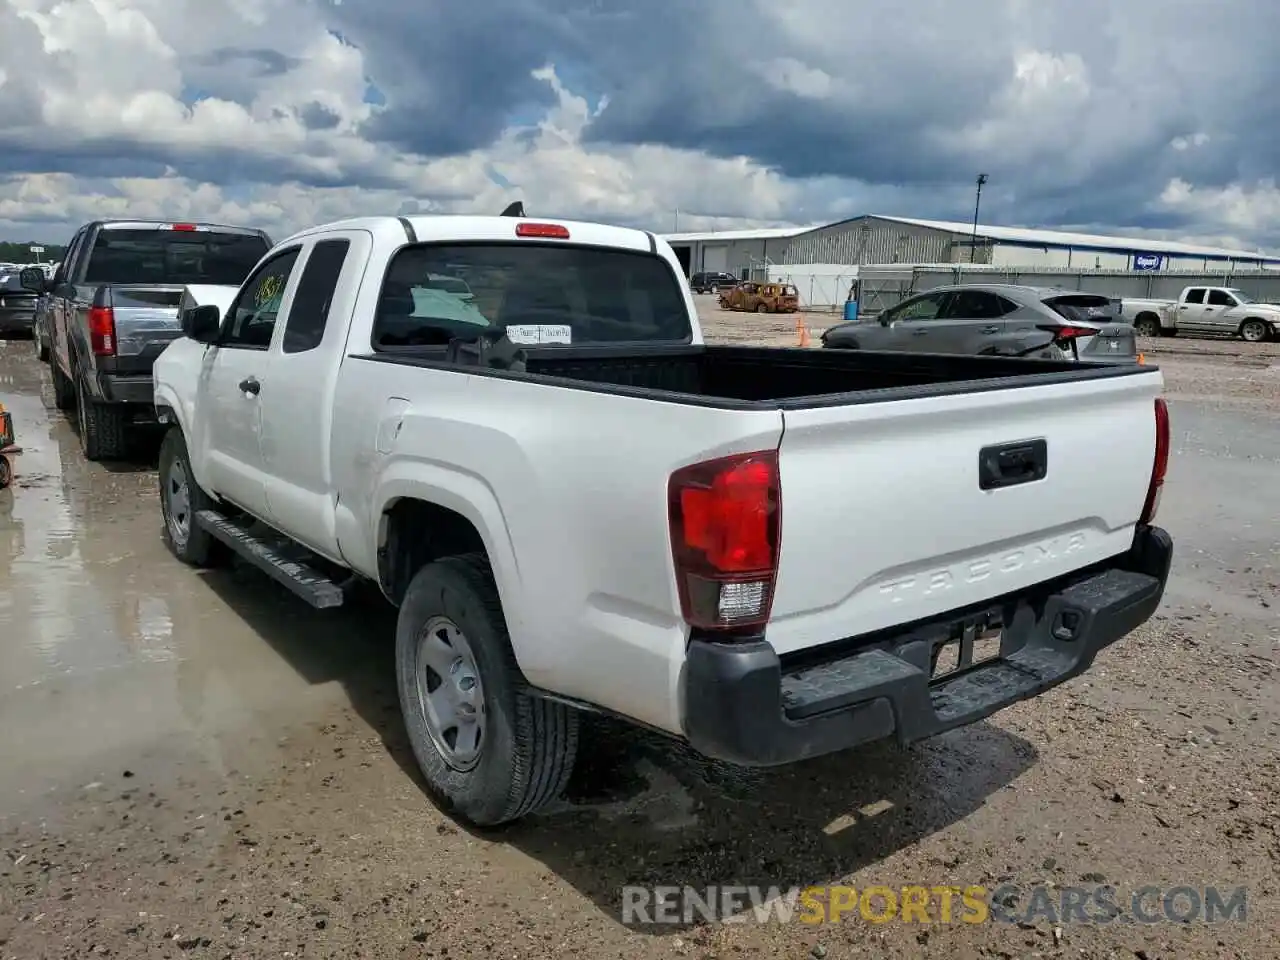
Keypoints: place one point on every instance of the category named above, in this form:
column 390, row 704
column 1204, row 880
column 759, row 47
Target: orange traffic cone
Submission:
column 802, row 331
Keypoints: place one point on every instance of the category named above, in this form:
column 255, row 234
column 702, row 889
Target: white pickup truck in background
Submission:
column 513, row 428
column 1225, row 311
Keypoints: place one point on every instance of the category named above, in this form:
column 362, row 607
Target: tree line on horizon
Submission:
column 11, row 251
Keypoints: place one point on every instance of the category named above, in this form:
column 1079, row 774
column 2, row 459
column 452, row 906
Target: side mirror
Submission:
column 33, row 279
column 202, row 324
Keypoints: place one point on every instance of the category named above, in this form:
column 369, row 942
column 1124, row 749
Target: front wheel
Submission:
column 490, row 751
column 762, row 308
column 180, row 500
column 64, row 391
column 1253, row 331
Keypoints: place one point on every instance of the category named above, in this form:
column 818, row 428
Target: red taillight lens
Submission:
column 552, row 230
column 1071, row 333
column 1160, row 465
column 102, row 331
column 183, row 227
column 725, row 528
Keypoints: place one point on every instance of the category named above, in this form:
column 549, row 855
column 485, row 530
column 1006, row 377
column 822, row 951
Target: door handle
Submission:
column 250, row 385
column 990, row 329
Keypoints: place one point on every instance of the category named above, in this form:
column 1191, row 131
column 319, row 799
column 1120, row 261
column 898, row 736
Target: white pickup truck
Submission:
column 770, row 554
column 1222, row 310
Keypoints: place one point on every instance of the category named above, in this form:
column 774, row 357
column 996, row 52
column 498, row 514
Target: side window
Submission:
column 68, row 258
column 252, row 317
column 1220, row 298
column 309, row 312
column 1195, row 296
column 922, row 308
column 975, row 305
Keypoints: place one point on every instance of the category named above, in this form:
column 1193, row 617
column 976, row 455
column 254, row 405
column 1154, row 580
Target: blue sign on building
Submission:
column 1147, row 261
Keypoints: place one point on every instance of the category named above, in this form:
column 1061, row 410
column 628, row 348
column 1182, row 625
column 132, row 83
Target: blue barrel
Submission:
column 851, row 310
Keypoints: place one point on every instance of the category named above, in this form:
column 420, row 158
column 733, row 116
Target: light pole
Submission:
column 977, row 203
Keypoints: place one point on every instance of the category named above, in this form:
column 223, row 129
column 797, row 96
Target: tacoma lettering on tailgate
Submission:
column 931, row 582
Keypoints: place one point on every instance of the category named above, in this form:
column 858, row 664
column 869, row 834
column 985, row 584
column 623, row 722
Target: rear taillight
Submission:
column 725, row 525
column 1160, row 465
column 1070, row 332
column 102, row 331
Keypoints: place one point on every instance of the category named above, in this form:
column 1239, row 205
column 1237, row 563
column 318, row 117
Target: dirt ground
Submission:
column 199, row 766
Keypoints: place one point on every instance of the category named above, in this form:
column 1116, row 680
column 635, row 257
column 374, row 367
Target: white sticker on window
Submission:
column 528, row 333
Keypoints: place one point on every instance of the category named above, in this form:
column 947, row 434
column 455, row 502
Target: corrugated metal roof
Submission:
column 1057, row 238
column 713, row 236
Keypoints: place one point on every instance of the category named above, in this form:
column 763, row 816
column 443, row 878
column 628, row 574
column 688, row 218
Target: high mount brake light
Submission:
column 725, row 517
column 1159, row 464
column 183, row 227
column 553, row 231
column 102, row 331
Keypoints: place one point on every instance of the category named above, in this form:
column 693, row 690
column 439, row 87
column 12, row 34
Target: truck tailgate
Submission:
column 885, row 520
column 145, row 316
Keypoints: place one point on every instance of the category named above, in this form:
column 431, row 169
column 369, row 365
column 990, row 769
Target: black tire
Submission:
column 6, row 472
column 762, row 308
column 528, row 744
column 197, row 547
column 104, row 433
column 64, row 391
column 1254, row 331
column 1147, row 326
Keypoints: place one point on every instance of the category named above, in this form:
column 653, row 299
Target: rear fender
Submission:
column 472, row 498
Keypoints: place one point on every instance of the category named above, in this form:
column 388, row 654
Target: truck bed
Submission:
column 753, row 377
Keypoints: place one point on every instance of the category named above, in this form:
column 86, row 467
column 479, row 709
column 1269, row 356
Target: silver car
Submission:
column 998, row 319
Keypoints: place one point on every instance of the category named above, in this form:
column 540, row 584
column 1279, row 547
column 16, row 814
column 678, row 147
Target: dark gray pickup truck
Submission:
column 113, row 307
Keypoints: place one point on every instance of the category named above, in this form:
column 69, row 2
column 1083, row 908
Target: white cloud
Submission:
column 547, row 164
column 228, row 111
column 1246, row 209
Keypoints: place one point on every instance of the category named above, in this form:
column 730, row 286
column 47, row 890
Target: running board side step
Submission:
column 309, row 584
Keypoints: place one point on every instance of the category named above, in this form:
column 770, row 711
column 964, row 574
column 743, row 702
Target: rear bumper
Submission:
column 125, row 389
column 17, row 321
column 744, row 706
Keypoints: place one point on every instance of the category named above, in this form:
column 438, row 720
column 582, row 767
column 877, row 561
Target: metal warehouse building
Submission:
column 875, row 239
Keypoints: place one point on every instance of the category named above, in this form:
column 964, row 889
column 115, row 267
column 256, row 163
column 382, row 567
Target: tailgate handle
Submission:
column 1010, row 464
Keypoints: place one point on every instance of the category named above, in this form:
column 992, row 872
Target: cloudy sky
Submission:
column 1100, row 115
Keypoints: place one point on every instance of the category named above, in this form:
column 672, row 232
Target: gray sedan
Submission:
column 996, row 319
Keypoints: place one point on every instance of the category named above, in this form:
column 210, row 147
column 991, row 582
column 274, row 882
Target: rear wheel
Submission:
column 491, row 752
column 1147, row 326
column 103, row 428
column 762, row 308
column 1254, row 331
column 6, row 472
